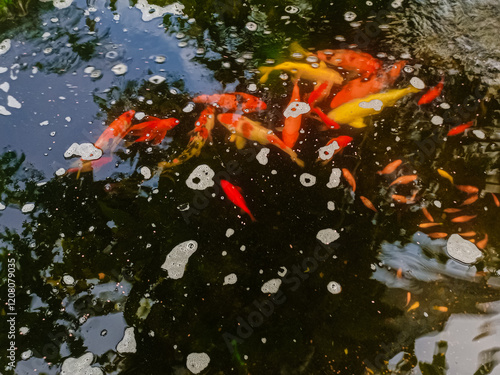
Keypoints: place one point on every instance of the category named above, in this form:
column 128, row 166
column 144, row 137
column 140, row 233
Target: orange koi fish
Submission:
column 243, row 128
column 391, row 167
column 408, row 298
column 460, row 128
column 495, row 199
column 292, row 125
column 468, row 234
column 437, row 235
column 428, row 225
column 470, row 200
column 153, row 130
column 349, row 178
column 467, row 189
column 427, row 214
column 233, row 101
column 362, row 62
column 316, row 96
column 234, row 195
column 482, row 244
column 452, row 210
column 433, row 93
column 404, row 179
column 115, row 131
column 368, row 203
column 89, row 165
column 414, row 306
column 342, row 142
column 463, row 219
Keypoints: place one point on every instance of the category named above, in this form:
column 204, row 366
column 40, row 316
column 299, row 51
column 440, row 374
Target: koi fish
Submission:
column 432, row 93
column 495, row 199
column 115, row 131
column 427, row 214
column 292, row 125
column 437, row 235
column 353, row 112
column 243, row 128
column 445, row 174
column 233, row 101
column 452, row 210
column 470, row 200
column 362, row 62
column 202, row 132
column 391, row 167
column 316, row 96
column 460, row 128
column 234, row 195
column 482, row 244
column 463, row 219
column 368, row 203
column 154, row 130
column 404, row 179
column 349, row 178
column 467, row 189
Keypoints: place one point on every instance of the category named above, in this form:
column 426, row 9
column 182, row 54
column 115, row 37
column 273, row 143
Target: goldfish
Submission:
column 84, row 166
column 153, row 130
column 349, row 178
column 115, row 131
column 368, row 203
column 342, row 142
column 463, row 219
column 243, row 128
column 404, row 179
column 391, row 167
column 291, row 129
column 408, row 298
column 202, row 131
column 452, row 210
column 428, row 225
column 445, row 174
column 402, row 199
column 437, row 235
column 353, row 112
column 427, row 214
column 414, row 306
column 482, row 244
column 234, row 195
column 468, row 234
column 460, row 128
column 233, row 101
column 467, row 189
column 470, row 200
column 440, row 308
column 495, row 199
column 361, row 62
column 432, row 93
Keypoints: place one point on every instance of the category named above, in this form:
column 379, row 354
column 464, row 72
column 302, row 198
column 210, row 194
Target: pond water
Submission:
column 201, row 252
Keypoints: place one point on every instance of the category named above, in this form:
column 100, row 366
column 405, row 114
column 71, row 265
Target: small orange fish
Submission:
column 404, row 179
column 495, row 199
column 233, row 102
column 349, row 178
column 427, row 214
column 154, row 130
column 391, row 167
column 441, row 308
column 437, row 235
column 460, row 128
column 428, row 225
column 452, row 210
column 368, row 203
column 432, row 93
column 116, row 131
column 234, row 195
column 468, row 234
column 482, row 244
column 470, row 200
column 399, row 273
column 414, row 306
column 402, row 199
column 467, row 189
column 408, row 298
column 463, row 219
column 292, row 125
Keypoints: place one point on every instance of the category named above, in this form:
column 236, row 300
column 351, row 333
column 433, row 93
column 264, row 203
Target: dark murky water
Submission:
column 272, row 296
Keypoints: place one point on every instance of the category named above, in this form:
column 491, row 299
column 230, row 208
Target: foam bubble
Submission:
column 334, row 178
column 295, row 109
column 326, row 152
column 201, row 178
column 462, row 250
column 417, row 83
column 128, row 343
column 230, row 279
column 334, row 287
column 307, row 179
column 197, row 362
column 375, row 104
column 271, row 286
column 262, row 156
column 178, row 258
column 4, row 46
column 327, row 235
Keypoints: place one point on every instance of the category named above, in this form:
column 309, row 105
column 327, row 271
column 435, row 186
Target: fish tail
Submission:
column 265, row 70
column 251, row 216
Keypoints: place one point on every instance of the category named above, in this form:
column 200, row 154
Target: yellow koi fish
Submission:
column 302, row 70
column 353, row 112
column 243, row 129
column 445, row 174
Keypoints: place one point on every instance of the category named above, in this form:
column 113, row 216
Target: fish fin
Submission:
column 358, row 123
column 279, row 128
column 240, row 142
column 295, row 47
column 153, row 118
column 265, row 70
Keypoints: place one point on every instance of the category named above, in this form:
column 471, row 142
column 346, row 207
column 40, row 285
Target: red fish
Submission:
column 432, row 93
column 349, row 178
column 316, row 96
column 404, row 179
column 154, row 130
column 470, row 200
column 233, row 101
column 116, row 131
column 427, row 214
column 467, row 189
column 391, row 167
column 234, row 195
column 460, row 128
column 495, row 199
column 292, row 125
column 362, row 62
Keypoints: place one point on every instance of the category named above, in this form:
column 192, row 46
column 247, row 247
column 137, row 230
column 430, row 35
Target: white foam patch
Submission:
column 296, row 109
column 197, row 362
column 334, row 287
column 5, row 86
column 151, row 11
column 229, row 232
column 80, row 366
column 479, row 133
column 188, row 108
column 119, row 69
column 201, row 178
column 146, row 173
column 4, row 111
column 307, row 179
column 177, row 259
column 61, row 4
column 28, row 207
column 331, row 205
column 271, row 286
column 68, row 280
column 334, row 180
column 3, row 69
column 12, row 102
column 327, row 235
column 87, row 151
column 437, row 120
column 230, row 279
column 375, row 104
column 262, row 156
column 2, row 207
column 128, row 343
column 4, row 46
column 157, row 79
column 326, row 152
column 462, row 250
column 417, row 83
